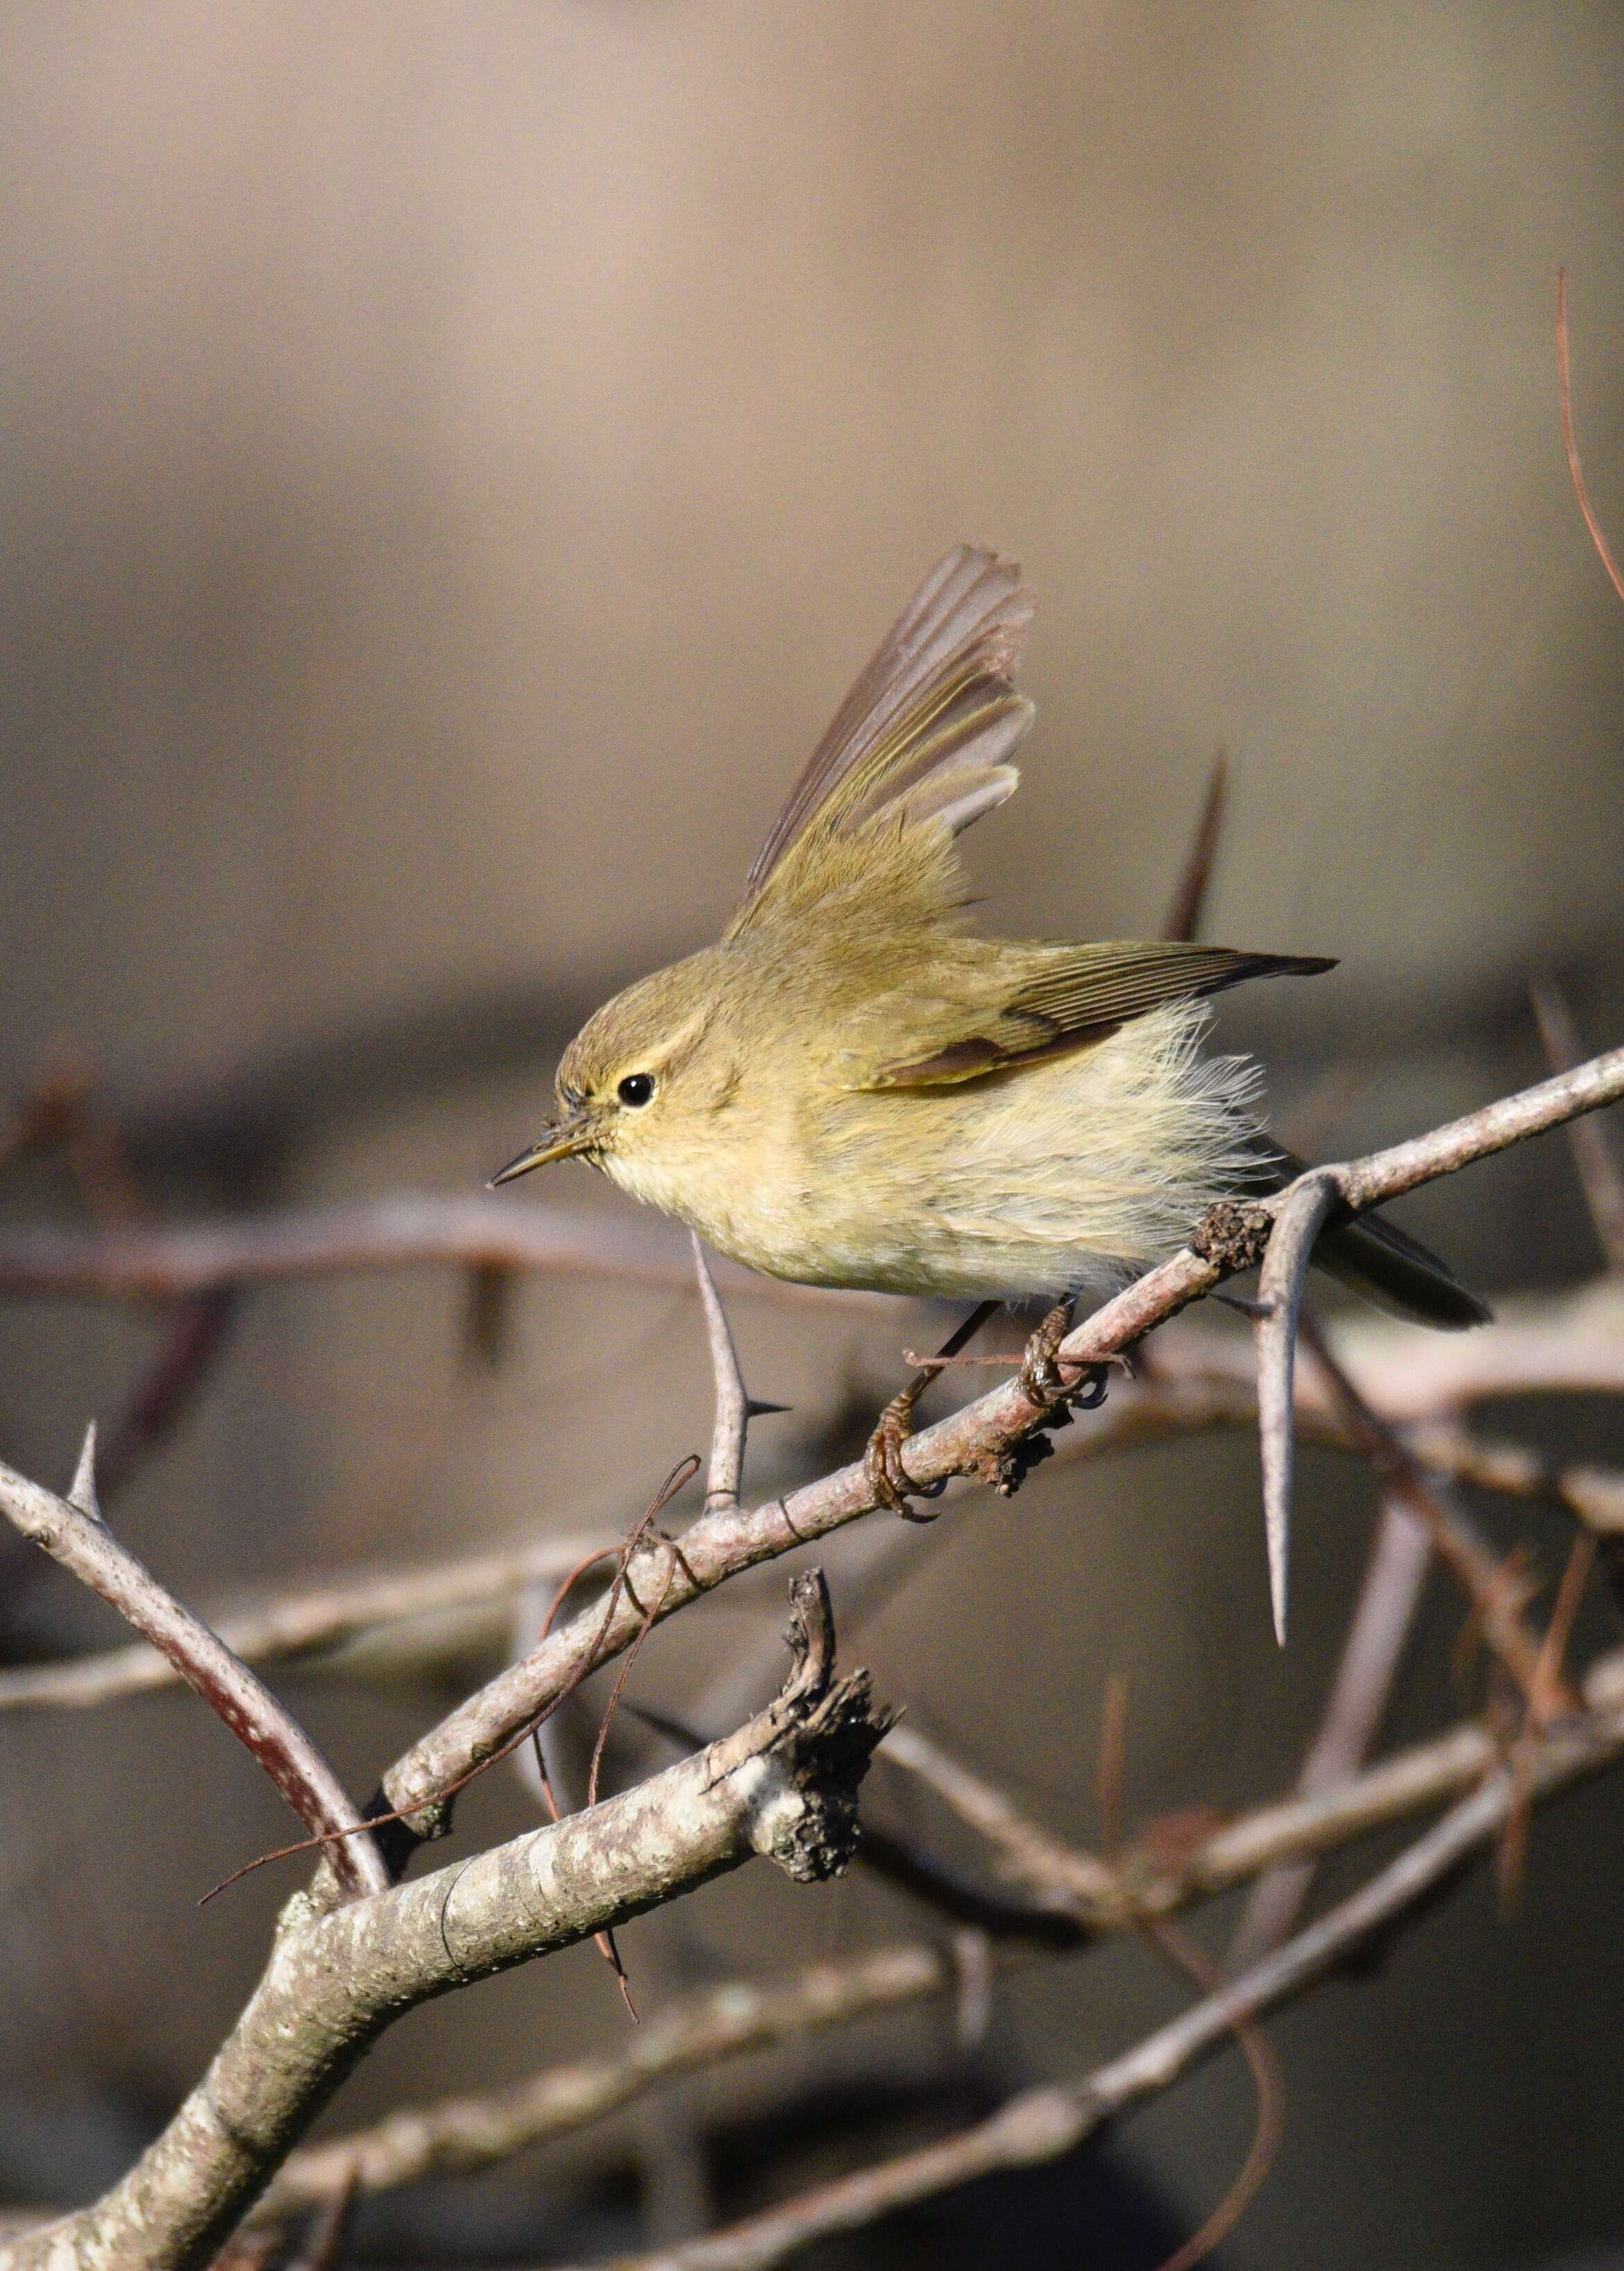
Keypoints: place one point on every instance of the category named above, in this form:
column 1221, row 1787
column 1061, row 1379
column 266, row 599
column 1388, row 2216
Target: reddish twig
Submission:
column 1177, row 1950
column 197, row 1338
column 1570, row 442
column 82, row 1543
column 1388, row 1599
column 1551, row 1697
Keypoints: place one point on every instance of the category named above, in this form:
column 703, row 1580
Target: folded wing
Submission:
column 1029, row 1003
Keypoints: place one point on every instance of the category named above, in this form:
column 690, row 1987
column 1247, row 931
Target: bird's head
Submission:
column 641, row 1080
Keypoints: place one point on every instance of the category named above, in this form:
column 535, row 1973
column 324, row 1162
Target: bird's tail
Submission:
column 1381, row 1262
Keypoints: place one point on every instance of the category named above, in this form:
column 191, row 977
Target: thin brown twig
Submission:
column 198, row 1338
column 1550, row 1697
column 332, row 1842
column 1178, row 1950
column 1268, row 2080
column 324, row 2247
column 1496, row 1602
column 1046, row 2123
column 1389, row 1597
column 1570, row 440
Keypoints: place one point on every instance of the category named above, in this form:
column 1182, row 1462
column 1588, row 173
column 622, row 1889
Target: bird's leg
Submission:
column 1041, row 1379
column 888, row 1478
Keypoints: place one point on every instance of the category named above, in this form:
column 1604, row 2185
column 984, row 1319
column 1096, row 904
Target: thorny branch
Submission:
column 75, row 1536
column 783, row 1785
column 1044, row 2124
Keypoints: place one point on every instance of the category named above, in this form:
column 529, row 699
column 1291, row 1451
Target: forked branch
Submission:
column 74, row 1535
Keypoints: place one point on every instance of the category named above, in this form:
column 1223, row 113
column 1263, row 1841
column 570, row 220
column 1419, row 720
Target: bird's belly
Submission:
column 941, row 1228
column 1064, row 1177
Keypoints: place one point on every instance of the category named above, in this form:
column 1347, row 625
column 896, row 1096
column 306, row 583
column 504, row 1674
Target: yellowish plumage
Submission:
column 850, row 1090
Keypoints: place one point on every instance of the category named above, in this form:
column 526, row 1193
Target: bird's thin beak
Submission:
column 564, row 1141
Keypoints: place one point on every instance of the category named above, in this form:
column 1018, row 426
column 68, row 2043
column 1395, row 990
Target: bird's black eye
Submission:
column 636, row 1087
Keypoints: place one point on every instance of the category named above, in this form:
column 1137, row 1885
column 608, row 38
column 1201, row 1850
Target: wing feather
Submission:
column 927, row 730
column 1074, row 997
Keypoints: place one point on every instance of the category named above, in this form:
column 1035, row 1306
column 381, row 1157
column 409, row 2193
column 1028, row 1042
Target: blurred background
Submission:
column 454, row 461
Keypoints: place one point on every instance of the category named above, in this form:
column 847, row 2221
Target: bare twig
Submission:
column 83, row 1544
column 197, row 1338
column 461, row 2135
column 1496, row 1602
column 314, row 1625
column 1027, row 1854
column 411, row 1230
column 324, row 2247
column 1570, row 440
column 1044, row 2124
column 732, row 1408
column 1291, row 1243
column 784, row 1785
column 1388, row 1600
column 1599, row 1175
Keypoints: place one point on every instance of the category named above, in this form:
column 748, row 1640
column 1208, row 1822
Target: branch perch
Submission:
column 74, row 1535
column 785, row 1784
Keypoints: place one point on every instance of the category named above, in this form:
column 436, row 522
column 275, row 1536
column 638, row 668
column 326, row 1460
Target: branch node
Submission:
column 804, row 1805
column 1232, row 1235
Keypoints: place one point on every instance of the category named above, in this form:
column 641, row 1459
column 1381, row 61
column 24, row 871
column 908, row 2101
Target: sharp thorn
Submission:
column 82, row 1489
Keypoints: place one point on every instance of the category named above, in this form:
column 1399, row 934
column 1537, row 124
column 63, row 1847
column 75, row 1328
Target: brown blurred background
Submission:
column 454, row 459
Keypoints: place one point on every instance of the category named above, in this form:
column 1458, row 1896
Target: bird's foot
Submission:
column 1042, row 1380
column 888, row 1478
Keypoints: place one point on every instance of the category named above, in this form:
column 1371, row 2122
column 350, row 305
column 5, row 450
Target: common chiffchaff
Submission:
column 850, row 1090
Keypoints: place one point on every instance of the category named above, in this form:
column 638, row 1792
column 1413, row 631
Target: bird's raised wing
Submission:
column 925, row 734
column 1039, row 1001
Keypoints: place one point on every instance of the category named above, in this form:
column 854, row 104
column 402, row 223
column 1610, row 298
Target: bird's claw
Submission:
column 887, row 1476
column 1042, row 1380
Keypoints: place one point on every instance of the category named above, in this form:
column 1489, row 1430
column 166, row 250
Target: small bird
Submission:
column 852, row 1090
